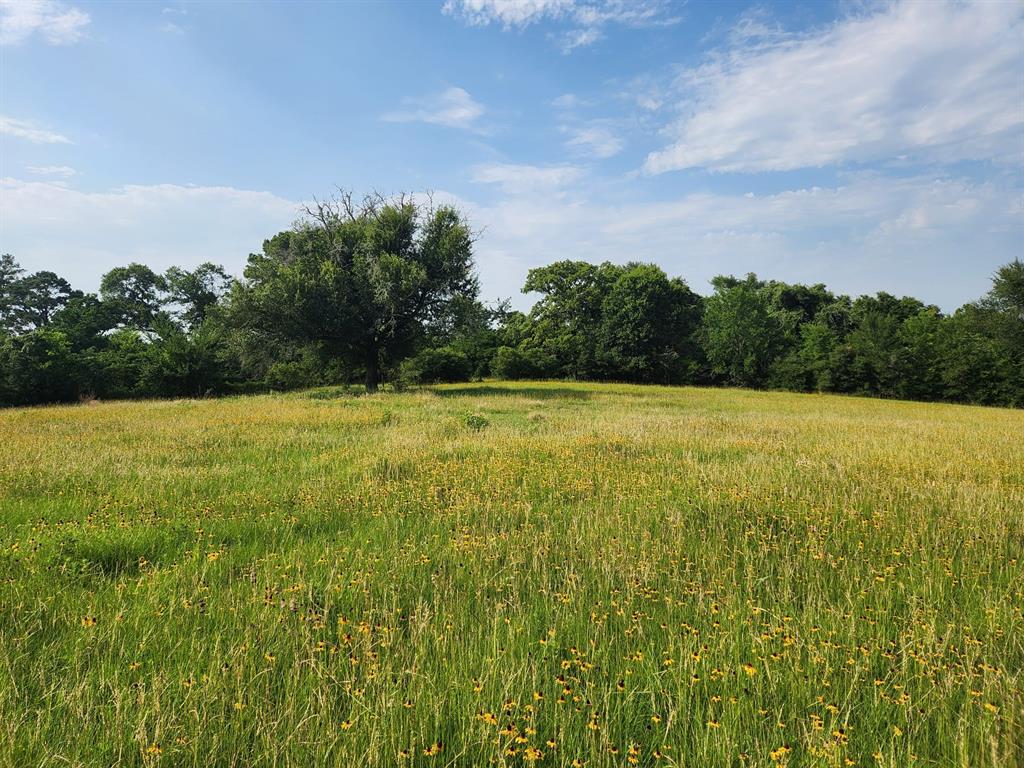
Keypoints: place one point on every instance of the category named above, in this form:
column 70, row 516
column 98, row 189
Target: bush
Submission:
column 435, row 366
column 476, row 422
column 290, row 375
column 305, row 370
column 514, row 363
column 38, row 367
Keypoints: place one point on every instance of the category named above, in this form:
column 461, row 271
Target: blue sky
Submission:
column 869, row 146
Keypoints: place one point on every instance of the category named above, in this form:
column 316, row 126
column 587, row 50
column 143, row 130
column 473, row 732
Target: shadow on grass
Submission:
column 340, row 392
column 116, row 554
column 538, row 393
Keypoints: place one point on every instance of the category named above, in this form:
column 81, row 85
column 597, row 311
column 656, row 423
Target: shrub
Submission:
column 515, row 363
column 290, row 375
column 434, row 366
column 476, row 422
column 38, row 367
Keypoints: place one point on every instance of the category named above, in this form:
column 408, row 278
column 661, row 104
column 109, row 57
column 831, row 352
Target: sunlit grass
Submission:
column 507, row 574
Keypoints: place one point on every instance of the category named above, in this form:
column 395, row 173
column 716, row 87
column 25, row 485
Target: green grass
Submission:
column 672, row 576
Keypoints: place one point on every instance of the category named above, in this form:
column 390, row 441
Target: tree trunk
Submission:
column 372, row 371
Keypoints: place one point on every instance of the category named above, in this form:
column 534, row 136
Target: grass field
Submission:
column 506, row 574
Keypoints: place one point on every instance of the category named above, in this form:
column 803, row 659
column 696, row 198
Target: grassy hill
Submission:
column 507, row 574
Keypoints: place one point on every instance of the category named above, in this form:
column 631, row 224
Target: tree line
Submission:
column 383, row 290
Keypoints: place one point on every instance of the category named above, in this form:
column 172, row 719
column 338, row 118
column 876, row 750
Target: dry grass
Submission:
column 508, row 574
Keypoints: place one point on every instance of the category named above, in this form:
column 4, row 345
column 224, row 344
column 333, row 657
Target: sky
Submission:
column 870, row 146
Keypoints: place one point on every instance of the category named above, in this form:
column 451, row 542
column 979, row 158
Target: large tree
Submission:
column 10, row 275
column 744, row 331
column 361, row 279
column 566, row 320
column 135, row 293
column 28, row 302
column 1007, row 293
column 877, row 342
column 38, row 297
column 196, row 291
column 982, row 345
column 648, row 327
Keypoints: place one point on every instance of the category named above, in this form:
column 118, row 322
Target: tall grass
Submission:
column 511, row 574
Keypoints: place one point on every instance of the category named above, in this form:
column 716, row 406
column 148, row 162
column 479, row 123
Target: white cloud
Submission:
column 586, row 18
column 940, row 80
column 54, row 22
column 453, row 107
column 595, row 141
column 509, row 13
column 937, row 239
column 580, row 38
column 28, row 130
column 81, row 235
column 519, row 179
column 648, row 101
column 568, row 101
column 57, row 171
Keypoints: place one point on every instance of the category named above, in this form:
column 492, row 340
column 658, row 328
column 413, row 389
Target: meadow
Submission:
column 508, row 574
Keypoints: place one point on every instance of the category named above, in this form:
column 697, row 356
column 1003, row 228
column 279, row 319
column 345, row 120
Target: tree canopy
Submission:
column 362, row 280
column 384, row 290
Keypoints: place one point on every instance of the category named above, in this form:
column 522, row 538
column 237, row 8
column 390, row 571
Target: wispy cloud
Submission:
column 940, row 80
column 867, row 234
column 55, row 171
column 55, row 22
column 585, row 19
column 509, row 13
column 518, row 179
column 569, row 101
column 588, row 137
column 159, row 225
column 595, row 141
column 453, row 107
column 30, row 131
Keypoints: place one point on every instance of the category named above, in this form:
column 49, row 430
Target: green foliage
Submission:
column 1007, row 294
column 283, row 376
column 565, row 322
column 744, row 331
column 122, row 361
column 973, row 362
column 434, row 366
column 36, row 367
column 385, row 289
column 37, row 299
column 197, row 291
column 304, row 370
column 182, row 365
column 917, row 363
column 361, row 279
column 477, row 422
column 514, row 363
column 29, row 302
column 10, row 275
column 134, row 293
column 470, row 328
column 648, row 326
column 629, row 323
column 84, row 320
